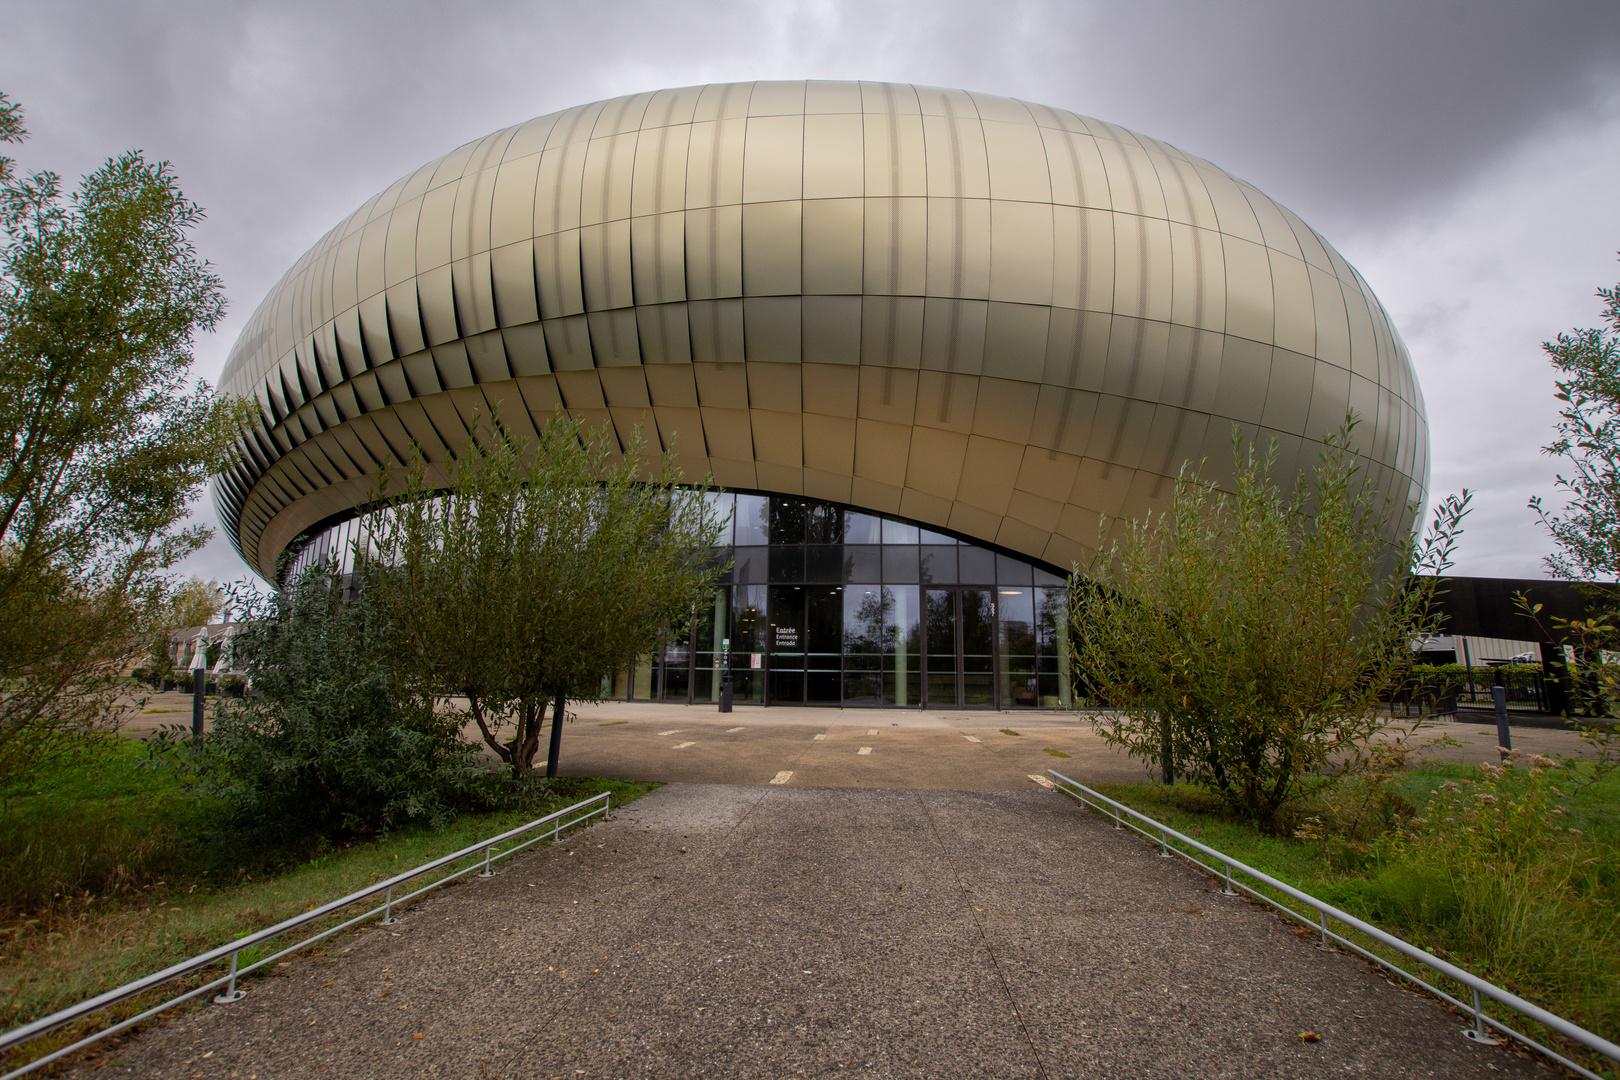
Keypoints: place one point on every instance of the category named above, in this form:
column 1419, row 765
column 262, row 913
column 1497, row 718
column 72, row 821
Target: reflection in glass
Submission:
column 863, row 563
column 1010, row 571
column 1019, row 688
column 902, row 667
column 784, row 648
column 1052, row 648
column 722, row 506
column 824, row 563
column 824, row 620
column 938, row 565
column 900, row 564
column 931, row 537
column 709, row 627
column 675, row 670
column 977, row 566
column 862, row 528
column 752, row 519
column 748, row 627
column 978, row 645
column 895, row 532
column 750, row 566
column 788, row 520
column 940, row 619
column 787, row 564
column 824, row 524
column 865, row 609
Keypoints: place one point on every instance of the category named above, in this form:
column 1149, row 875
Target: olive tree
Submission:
column 1247, row 638
column 537, row 573
column 1587, row 529
column 104, row 439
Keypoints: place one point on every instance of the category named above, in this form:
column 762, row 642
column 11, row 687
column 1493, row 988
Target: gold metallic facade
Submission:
column 981, row 314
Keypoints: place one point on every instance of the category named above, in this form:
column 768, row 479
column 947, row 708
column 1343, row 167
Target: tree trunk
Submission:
column 505, row 753
column 556, row 735
column 531, row 716
column 1167, row 750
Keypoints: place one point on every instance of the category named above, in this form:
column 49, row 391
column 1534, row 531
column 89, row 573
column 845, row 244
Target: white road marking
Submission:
column 863, row 751
column 782, row 777
column 729, row 730
column 1043, row 781
column 684, row 745
column 871, row 731
column 970, row 738
column 818, row 738
column 671, row 731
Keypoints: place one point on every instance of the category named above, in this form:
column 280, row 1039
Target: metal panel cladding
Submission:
column 994, row 317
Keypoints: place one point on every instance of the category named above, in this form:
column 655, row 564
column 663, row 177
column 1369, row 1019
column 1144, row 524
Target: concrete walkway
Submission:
column 775, row 931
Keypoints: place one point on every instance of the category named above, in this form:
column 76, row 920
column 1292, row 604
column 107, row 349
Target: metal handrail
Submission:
column 596, row 804
column 1479, row 1032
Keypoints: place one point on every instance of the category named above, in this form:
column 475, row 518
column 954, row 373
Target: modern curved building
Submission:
column 929, row 338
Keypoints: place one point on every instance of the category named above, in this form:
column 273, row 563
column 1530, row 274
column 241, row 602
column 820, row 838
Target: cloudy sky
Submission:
column 1464, row 156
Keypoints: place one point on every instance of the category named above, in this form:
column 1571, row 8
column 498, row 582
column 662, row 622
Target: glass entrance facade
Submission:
column 826, row 605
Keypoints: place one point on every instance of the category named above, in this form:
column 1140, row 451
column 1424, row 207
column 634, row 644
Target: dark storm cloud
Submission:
column 1369, row 118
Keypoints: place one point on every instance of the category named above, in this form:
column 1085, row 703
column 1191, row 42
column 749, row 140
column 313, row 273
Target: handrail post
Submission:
column 231, row 994
column 487, row 871
column 1479, row 1032
column 1325, row 947
column 1228, row 891
column 388, row 908
column 1164, row 846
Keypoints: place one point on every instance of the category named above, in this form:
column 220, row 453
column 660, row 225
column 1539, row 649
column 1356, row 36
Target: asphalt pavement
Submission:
column 771, row 930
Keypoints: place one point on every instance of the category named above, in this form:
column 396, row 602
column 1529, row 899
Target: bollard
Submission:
column 1504, row 737
column 198, row 685
column 725, row 694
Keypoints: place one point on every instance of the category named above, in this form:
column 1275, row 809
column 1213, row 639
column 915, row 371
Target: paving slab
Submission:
column 777, row 931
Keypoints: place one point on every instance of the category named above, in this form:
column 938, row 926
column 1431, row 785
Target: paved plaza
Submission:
column 921, row 910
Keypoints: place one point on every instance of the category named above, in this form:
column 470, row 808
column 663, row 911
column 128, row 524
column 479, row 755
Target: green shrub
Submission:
column 331, row 747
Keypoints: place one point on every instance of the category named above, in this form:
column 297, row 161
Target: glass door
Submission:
column 941, row 657
column 824, row 639
column 784, row 648
column 978, row 647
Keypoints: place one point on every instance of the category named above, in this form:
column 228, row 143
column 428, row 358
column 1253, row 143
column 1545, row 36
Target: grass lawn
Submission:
column 1523, row 889
column 109, row 872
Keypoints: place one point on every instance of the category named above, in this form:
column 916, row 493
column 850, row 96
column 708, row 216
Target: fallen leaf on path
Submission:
column 1309, row 1036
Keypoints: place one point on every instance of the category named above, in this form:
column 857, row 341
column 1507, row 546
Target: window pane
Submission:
column 750, row 566
column 863, row 643
column 1011, row 571
column 931, row 537
column 1016, row 610
column 748, row 626
column 978, row 566
column 722, row 506
column 941, row 640
column 978, row 639
column 785, row 647
column 939, row 565
column 787, row 564
column 824, row 524
column 824, row 563
column 900, row 564
column 753, row 513
column 902, row 653
column 896, row 533
column 862, row 529
column 863, row 562
column 788, row 517
column 824, row 623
